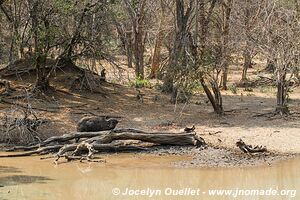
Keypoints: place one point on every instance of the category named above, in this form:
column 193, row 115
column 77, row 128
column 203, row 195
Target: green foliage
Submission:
column 65, row 7
column 233, row 88
column 140, row 83
column 209, row 57
column 196, row 87
column 184, row 96
column 265, row 89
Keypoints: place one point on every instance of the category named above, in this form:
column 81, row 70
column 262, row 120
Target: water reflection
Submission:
column 22, row 179
column 4, row 169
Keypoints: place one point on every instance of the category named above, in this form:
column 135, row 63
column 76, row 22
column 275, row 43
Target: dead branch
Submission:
column 39, row 151
column 249, row 149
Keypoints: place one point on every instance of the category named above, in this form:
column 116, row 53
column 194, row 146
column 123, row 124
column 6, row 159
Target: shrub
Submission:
column 233, row 89
column 140, row 83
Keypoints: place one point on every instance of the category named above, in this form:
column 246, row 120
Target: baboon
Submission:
column 94, row 124
column 2, row 83
column 174, row 95
column 156, row 98
column 103, row 75
column 189, row 130
column 140, row 96
column 8, row 89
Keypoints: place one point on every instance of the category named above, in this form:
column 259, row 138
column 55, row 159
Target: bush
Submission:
column 233, row 89
column 140, row 83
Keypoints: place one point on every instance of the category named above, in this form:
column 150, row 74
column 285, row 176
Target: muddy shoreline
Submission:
column 219, row 157
column 208, row 157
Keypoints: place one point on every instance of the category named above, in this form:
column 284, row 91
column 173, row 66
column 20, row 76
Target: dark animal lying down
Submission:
column 94, row 124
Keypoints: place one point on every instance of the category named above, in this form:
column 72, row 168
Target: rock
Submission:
column 94, row 124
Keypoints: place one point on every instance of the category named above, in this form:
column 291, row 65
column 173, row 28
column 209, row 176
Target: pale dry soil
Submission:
column 279, row 134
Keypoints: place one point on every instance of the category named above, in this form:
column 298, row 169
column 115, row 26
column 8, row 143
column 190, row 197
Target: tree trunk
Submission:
column 179, row 42
column 139, row 49
column 216, row 99
column 42, row 80
column 11, row 51
column 247, row 54
column 156, row 55
column 225, row 75
column 282, row 89
column 225, row 53
column 129, row 48
column 247, row 63
column 125, row 36
column 158, row 43
column 297, row 75
column 137, row 19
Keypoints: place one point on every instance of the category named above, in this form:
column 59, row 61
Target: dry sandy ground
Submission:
column 279, row 134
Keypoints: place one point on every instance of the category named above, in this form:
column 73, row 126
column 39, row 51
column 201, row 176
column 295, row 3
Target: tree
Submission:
column 207, row 61
column 136, row 12
column 177, row 59
column 247, row 17
column 278, row 41
column 155, row 63
column 226, row 10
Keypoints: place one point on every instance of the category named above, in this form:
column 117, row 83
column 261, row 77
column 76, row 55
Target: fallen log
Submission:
column 105, row 141
column 179, row 139
column 71, row 136
column 81, row 135
column 100, row 143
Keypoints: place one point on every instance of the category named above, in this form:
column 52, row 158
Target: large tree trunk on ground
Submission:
column 103, row 141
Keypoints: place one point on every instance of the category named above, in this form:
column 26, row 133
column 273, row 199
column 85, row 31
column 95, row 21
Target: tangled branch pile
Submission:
column 20, row 124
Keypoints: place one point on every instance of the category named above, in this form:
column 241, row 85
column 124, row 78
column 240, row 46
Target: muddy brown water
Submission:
column 34, row 179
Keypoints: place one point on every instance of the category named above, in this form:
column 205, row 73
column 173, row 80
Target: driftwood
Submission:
column 70, row 147
column 249, row 149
